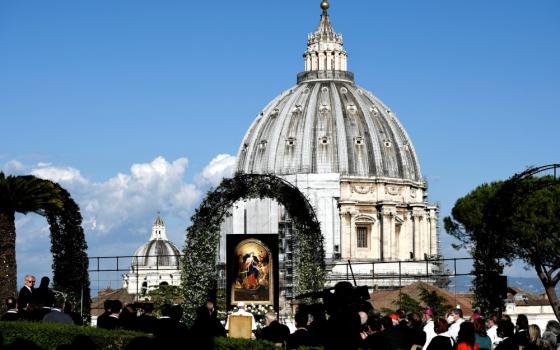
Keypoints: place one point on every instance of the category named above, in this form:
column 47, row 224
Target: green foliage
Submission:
column 199, row 262
column 22, row 194
column 530, row 219
column 49, row 335
column 27, row 194
column 165, row 294
column 504, row 221
column 469, row 224
column 68, row 247
column 435, row 302
column 406, row 303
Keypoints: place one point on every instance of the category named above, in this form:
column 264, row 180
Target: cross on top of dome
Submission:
column 159, row 221
column 158, row 229
column 324, row 47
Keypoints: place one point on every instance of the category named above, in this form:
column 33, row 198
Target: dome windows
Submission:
column 290, row 141
column 348, row 133
column 324, row 110
column 343, row 90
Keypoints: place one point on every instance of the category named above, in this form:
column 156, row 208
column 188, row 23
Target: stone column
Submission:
column 387, row 232
column 336, row 60
column 433, row 232
column 344, row 62
column 346, row 232
column 416, row 215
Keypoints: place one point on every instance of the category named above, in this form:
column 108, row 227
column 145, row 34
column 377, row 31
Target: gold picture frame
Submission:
column 253, row 282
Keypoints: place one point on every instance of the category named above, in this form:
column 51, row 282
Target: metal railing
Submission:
column 107, row 271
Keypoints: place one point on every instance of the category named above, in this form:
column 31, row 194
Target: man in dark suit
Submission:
column 505, row 331
column 112, row 322
column 26, row 292
column 394, row 335
column 56, row 315
column 274, row 331
column 522, row 333
column 12, row 313
column 301, row 337
column 147, row 322
column 103, row 319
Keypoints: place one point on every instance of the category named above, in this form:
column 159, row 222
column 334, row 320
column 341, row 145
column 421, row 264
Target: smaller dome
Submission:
column 157, row 253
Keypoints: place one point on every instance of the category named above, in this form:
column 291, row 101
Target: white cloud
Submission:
column 58, row 174
column 118, row 211
column 218, row 168
column 13, row 167
column 121, row 204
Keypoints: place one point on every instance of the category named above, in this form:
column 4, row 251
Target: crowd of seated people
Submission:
column 344, row 321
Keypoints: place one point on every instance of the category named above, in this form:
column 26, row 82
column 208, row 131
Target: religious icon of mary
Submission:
column 253, row 281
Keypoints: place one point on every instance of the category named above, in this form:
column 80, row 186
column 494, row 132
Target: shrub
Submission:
column 49, row 336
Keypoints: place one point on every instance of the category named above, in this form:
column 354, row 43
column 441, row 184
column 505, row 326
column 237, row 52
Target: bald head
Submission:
column 270, row 317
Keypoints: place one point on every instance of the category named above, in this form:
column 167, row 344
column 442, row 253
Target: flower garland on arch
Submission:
column 199, row 275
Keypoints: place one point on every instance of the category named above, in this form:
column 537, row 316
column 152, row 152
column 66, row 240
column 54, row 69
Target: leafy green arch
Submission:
column 68, row 248
column 30, row 194
column 202, row 238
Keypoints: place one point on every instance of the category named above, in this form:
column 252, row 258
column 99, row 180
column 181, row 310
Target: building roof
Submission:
column 383, row 299
column 328, row 124
column 110, row 294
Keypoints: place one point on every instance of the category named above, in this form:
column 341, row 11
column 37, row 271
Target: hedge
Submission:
column 49, row 336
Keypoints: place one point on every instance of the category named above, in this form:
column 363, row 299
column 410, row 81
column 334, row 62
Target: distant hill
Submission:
column 463, row 284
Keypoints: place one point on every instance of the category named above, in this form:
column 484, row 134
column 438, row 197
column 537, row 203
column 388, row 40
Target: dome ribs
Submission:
column 270, row 164
column 328, row 126
column 247, row 163
column 308, row 141
column 373, row 143
column 326, row 157
column 339, row 131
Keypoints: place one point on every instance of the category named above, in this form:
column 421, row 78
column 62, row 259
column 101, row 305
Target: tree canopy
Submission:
column 68, row 248
column 470, row 225
column 504, row 221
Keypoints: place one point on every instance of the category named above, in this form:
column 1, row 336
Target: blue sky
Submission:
column 139, row 106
